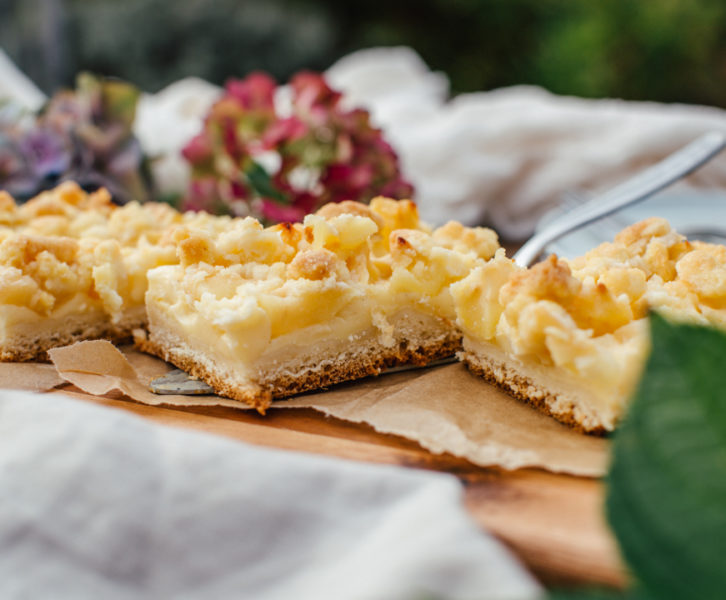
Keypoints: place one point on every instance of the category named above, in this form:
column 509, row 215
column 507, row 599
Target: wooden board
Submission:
column 554, row 523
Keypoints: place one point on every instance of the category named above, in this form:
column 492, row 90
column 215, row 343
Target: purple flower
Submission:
column 85, row 135
column 45, row 153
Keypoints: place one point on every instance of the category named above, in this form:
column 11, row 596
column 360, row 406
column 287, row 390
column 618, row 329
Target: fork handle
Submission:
column 637, row 188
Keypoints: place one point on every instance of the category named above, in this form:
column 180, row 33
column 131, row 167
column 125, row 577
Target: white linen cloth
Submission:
column 16, row 86
column 97, row 503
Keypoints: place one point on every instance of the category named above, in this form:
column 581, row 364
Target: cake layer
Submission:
column 292, row 365
column 74, row 266
column 547, row 389
column 30, row 340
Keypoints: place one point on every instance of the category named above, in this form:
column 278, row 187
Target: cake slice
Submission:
column 571, row 337
column 73, row 267
column 263, row 313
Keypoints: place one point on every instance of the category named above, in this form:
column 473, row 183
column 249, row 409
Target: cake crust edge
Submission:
column 314, row 372
column 536, row 394
column 34, row 345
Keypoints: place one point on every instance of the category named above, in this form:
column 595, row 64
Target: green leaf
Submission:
column 262, row 184
column 667, row 484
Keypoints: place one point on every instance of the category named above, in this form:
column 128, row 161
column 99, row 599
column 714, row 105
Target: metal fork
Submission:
column 641, row 186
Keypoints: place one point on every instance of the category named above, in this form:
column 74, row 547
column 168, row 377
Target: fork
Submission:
column 637, row 188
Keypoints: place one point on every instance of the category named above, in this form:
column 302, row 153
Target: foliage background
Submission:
column 664, row 50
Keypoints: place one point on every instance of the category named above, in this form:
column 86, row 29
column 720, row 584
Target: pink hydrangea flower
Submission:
column 248, row 159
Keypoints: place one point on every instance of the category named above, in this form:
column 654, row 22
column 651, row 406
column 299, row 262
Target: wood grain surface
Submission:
column 554, row 523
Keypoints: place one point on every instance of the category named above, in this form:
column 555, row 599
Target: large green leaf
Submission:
column 262, row 183
column 667, row 484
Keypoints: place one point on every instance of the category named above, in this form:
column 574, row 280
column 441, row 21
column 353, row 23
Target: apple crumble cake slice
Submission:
column 570, row 337
column 264, row 313
column 73, row 266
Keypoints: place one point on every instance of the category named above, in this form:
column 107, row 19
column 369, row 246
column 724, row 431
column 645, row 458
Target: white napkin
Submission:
column 16, row 86
column 97, row 503
column 167, row 121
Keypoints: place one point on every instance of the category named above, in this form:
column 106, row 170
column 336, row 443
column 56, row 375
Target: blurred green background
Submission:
column 664, row 50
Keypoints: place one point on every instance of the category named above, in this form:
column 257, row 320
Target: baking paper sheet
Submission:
column 34, row 377
column 444, row 409
column 97, row 367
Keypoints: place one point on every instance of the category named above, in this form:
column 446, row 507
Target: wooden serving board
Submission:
column 554, row 523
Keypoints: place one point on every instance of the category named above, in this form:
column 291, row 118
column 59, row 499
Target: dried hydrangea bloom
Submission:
column 280, row 153
column 84, row 136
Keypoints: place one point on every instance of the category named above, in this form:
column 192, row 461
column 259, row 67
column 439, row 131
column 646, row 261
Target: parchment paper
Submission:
column 98, row 367
column 34, row 377
column 444, row 409
column 447, row 409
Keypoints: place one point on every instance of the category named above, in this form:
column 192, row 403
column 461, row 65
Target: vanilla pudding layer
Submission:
column 25, row 335
column 557, row 392
column 344, row 348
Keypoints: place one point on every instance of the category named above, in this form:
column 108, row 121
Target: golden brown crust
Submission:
column 195, row 249
column 395, row 214
column 259, row 401
column 348, row 207
column 364, row 366
column 549, row 279
column 25, row 248
column 514, row 383
column 290, row 233
column 7, row 203
column 315, row 375
column 65, row 196
column 639, row 234
column 455, row 236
